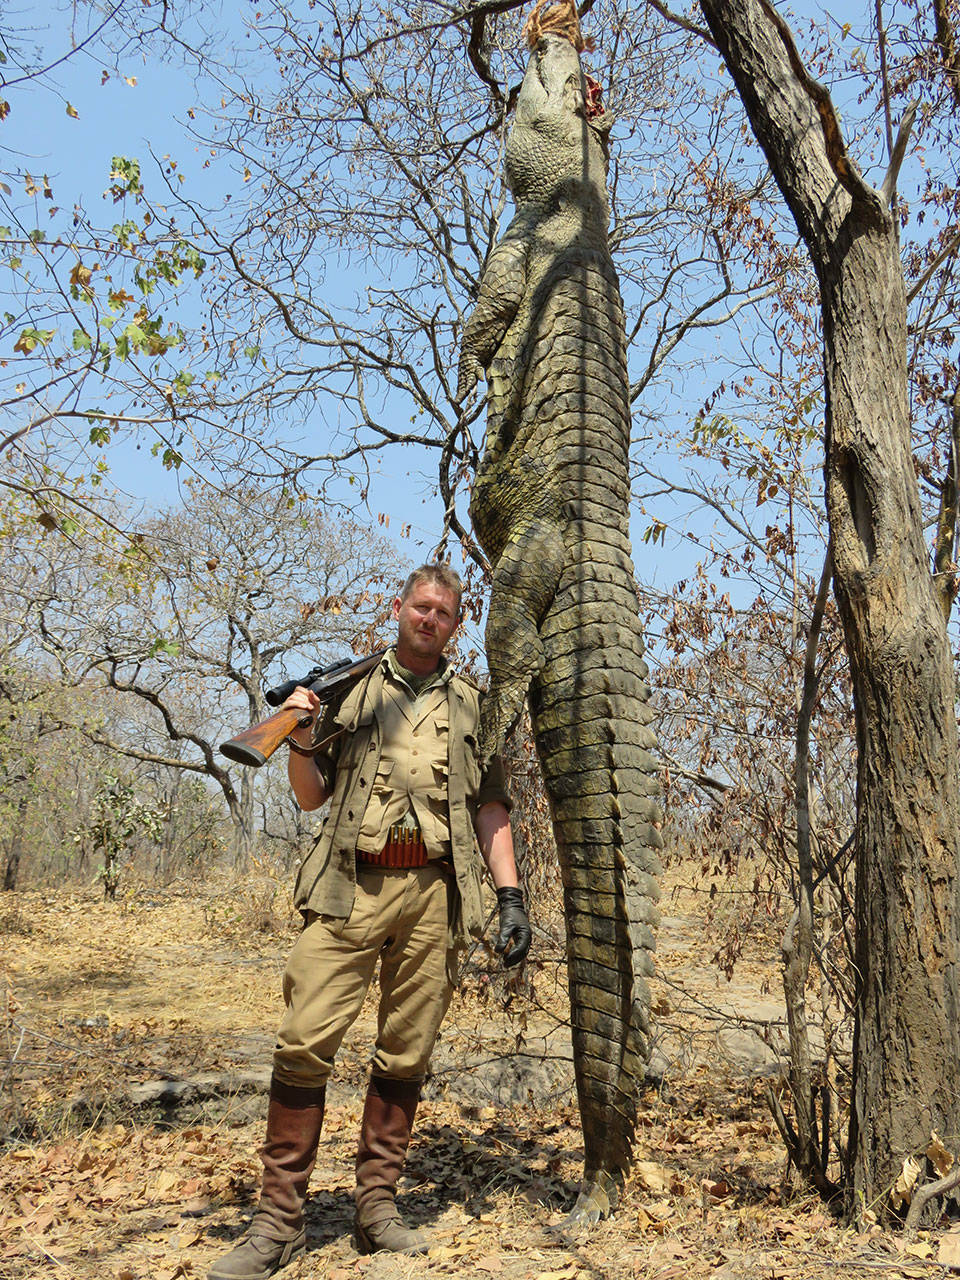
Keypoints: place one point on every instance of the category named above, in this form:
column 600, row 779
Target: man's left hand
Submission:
column 514, row 928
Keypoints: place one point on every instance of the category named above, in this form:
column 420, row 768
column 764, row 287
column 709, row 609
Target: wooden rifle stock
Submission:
column 257, row 744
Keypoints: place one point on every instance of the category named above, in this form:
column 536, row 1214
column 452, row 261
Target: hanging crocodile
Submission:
column 550, row 507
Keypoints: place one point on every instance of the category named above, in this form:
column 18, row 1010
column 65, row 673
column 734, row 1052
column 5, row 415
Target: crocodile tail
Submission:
column 591, row 721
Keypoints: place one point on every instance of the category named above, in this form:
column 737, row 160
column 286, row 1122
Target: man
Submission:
column 393, row 875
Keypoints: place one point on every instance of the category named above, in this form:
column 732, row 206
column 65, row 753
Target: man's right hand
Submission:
column 305, row 778
column 304, row 700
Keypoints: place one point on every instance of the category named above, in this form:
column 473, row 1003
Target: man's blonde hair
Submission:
column 440, row 575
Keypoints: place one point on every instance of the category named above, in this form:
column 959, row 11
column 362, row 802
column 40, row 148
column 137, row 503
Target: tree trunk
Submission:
column 15, row 848
column 906, row 1042
column 906, row 1046
column 244, row 820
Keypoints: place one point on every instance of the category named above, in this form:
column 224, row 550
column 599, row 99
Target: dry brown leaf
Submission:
column 489, row 1262
column 644, row 1221
column 652, row 1177
column 938, row 1155
column 903, row 1189
column 190, row 1237
column 948, row 1252
column 919, row 1249
column 653, row 1217
column 714, row 1192
column 41, row 1220
column 165, row 1181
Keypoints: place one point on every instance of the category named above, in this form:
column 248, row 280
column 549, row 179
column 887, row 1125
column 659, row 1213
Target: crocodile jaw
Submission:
column 552, row 119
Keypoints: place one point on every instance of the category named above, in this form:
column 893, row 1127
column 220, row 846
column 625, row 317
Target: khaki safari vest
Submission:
column 327, row 880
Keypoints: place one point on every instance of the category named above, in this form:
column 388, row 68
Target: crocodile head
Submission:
column 557, row 151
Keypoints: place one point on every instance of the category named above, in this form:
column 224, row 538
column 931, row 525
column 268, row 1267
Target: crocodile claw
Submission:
column 597, row 1200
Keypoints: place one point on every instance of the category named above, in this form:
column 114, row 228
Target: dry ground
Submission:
column 137, row 1038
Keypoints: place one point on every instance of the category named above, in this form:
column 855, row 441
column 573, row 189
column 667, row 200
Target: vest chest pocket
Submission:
column 471, row 765
column 360, row 740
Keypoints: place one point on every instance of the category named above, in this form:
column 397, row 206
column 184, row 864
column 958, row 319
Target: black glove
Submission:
column 514, row 928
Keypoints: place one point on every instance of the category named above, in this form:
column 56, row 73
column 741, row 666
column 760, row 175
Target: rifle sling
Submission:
column 317, row 747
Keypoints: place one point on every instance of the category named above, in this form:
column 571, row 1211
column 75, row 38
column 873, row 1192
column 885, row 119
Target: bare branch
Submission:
column 888, row 189
column 945, row 579
column 947, row 44
column 946, row 252
column 685, row 24
column 922, row 1197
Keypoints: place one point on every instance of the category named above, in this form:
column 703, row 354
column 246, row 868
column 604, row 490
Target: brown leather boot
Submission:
column 384, row 1137
column 276, row 1236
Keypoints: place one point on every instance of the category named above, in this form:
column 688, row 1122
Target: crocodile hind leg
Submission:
column 524, row 584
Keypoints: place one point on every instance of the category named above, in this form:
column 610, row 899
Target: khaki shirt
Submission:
column 354, row 766
column 411, row 777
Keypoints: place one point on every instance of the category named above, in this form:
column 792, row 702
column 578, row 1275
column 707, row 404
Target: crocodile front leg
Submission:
column 524, row 583
column 501, row 291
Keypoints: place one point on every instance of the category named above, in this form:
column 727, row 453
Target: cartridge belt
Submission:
column 404, row 848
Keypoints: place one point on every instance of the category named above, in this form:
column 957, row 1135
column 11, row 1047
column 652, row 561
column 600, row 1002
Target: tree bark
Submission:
column 15, row 847
column 906, row 1046
column 797, row 945
column 245, row 819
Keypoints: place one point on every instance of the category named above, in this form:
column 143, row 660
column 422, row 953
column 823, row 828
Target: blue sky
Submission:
column 136, row 109
column 69, row 127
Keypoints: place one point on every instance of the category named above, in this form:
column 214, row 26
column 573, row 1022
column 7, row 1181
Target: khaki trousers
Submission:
column 400, row 916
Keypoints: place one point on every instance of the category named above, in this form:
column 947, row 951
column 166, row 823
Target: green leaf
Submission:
column 125, row 176
column 251, row 352
column 81, row 340
column 30, row 339
column 160, row 645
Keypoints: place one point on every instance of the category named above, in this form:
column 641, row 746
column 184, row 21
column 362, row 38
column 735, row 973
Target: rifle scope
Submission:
column 276, row 697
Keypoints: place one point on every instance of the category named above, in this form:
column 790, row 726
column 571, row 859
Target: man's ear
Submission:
column 396, row 607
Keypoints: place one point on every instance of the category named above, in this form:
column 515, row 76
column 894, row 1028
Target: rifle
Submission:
column 257, row 744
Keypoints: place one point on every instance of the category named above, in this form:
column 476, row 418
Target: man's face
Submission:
column 426, row 620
